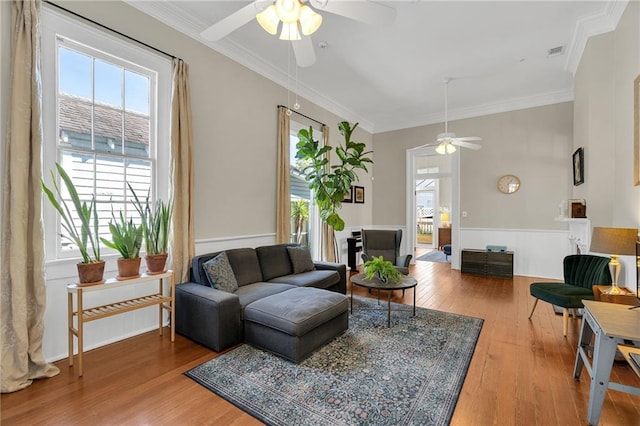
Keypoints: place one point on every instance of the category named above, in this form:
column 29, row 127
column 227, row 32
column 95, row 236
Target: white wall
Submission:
column 603, row 117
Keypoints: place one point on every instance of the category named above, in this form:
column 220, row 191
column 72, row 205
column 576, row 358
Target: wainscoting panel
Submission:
column 537, row 253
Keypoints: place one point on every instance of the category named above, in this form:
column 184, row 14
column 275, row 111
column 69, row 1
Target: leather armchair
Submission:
column 385, row 243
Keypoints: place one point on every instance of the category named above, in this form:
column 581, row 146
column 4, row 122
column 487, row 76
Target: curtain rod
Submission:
column 110, row 29
column 302, row 115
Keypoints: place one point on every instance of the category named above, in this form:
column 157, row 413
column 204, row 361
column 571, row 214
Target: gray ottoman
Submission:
column 296, row 322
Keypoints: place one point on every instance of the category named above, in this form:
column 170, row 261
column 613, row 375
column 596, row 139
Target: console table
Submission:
column 611, row 324
column 84, row 314
column 489, row 263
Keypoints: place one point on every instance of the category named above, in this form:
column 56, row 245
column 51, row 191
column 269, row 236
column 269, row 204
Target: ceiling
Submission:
column 391, row 77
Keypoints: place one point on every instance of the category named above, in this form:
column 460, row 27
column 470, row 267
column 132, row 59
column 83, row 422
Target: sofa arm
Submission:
column 208, row 316
column 341, row 287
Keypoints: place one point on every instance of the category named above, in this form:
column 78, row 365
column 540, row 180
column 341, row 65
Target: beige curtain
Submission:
column 23, row 288
column 328, row 236
column 283, row 179
column 183, row 245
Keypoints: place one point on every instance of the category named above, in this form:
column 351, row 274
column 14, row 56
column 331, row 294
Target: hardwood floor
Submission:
column 520, row 374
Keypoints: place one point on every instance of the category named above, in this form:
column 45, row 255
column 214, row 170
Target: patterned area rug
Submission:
column 435, row 256
column 410, row 373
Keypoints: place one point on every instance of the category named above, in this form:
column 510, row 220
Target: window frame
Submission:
column 101, row 44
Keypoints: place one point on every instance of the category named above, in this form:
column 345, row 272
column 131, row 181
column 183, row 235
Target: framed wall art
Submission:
column 358, row 194
column 578, row 167
column 348, row 197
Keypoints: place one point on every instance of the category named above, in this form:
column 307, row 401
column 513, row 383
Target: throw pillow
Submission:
column 300, row 259
column 220, row 274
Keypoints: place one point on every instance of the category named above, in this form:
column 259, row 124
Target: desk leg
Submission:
column 604, row 353
column 586, row 334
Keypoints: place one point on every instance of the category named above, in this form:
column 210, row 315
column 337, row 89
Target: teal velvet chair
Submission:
column 581, row 273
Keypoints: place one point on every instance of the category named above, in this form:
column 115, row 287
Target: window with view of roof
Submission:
column 102, row 124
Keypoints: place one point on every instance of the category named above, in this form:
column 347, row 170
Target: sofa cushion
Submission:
column 300, row 257
column 274, row 261
column 251, row 292
column 245, row 265
column 220, row 274
column 318, row 279
column 297, row 311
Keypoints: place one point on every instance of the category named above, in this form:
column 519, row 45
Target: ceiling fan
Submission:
column 298, row 16
column 448, row 141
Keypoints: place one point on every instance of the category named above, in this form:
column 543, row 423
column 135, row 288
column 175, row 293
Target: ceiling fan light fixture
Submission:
column 450, row 148
column 441, row 149
column 310, row 21
column 288, row 10
column 268, row 20
column 289, row 32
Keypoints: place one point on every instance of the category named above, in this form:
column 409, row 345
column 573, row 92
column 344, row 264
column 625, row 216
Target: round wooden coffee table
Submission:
column 375, row 284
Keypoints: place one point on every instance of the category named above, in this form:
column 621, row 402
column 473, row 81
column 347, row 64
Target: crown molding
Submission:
column 599, row 23
column 407, row 120
column 175, row 18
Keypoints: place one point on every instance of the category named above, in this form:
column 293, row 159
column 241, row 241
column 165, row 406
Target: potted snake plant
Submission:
column 83, row 231
column 156, row 224
column 126, row 238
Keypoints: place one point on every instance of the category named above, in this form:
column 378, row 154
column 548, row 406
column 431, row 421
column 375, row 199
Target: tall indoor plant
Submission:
column 84, row 233
column 331, row 184
column 156, row 223
column 126, row 238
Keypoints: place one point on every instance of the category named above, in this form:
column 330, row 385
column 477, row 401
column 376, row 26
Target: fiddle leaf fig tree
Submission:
column 330, row 183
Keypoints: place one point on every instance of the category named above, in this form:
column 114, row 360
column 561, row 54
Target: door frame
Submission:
column 411, row 156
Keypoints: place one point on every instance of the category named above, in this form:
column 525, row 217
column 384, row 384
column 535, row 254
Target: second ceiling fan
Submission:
column 448, row 141
column 298, row 16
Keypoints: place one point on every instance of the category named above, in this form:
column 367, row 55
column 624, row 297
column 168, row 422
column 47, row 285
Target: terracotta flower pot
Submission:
column 91, row 273
column 155, row 263
column 128, row 268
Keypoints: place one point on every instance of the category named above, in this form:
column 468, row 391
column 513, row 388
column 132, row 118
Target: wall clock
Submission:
column 508, row 184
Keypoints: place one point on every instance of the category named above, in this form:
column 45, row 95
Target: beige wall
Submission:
column 234, row 126
column 534, row 144
column 604, row 123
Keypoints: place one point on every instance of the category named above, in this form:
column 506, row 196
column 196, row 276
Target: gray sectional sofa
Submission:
column 273, row 308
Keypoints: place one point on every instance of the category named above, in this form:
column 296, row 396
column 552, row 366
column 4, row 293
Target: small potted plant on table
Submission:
column 126, row 238
column 82, row 234
column 377, row 267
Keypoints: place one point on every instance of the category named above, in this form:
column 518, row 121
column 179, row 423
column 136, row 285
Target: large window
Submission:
column 101, row 112
column 305, row 223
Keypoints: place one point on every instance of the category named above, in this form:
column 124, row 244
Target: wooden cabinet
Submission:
column 444, row 237
column 489, row 263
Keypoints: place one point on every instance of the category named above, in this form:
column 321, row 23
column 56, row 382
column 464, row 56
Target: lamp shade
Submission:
column 617, row 241
column 309, row 20
column 288, row 10
column 268, row 19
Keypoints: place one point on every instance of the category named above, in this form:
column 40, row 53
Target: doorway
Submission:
column 432, row 201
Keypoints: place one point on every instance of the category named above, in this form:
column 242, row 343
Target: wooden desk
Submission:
column 611, row 324
column 83, row 314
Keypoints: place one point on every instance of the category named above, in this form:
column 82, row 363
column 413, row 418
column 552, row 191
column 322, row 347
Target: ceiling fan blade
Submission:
column 226, row 25
column 466, row 144
column 470, row 138
column 363, row 11
column 304, row 51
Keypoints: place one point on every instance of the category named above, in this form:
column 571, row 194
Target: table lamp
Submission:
column 615, row 242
